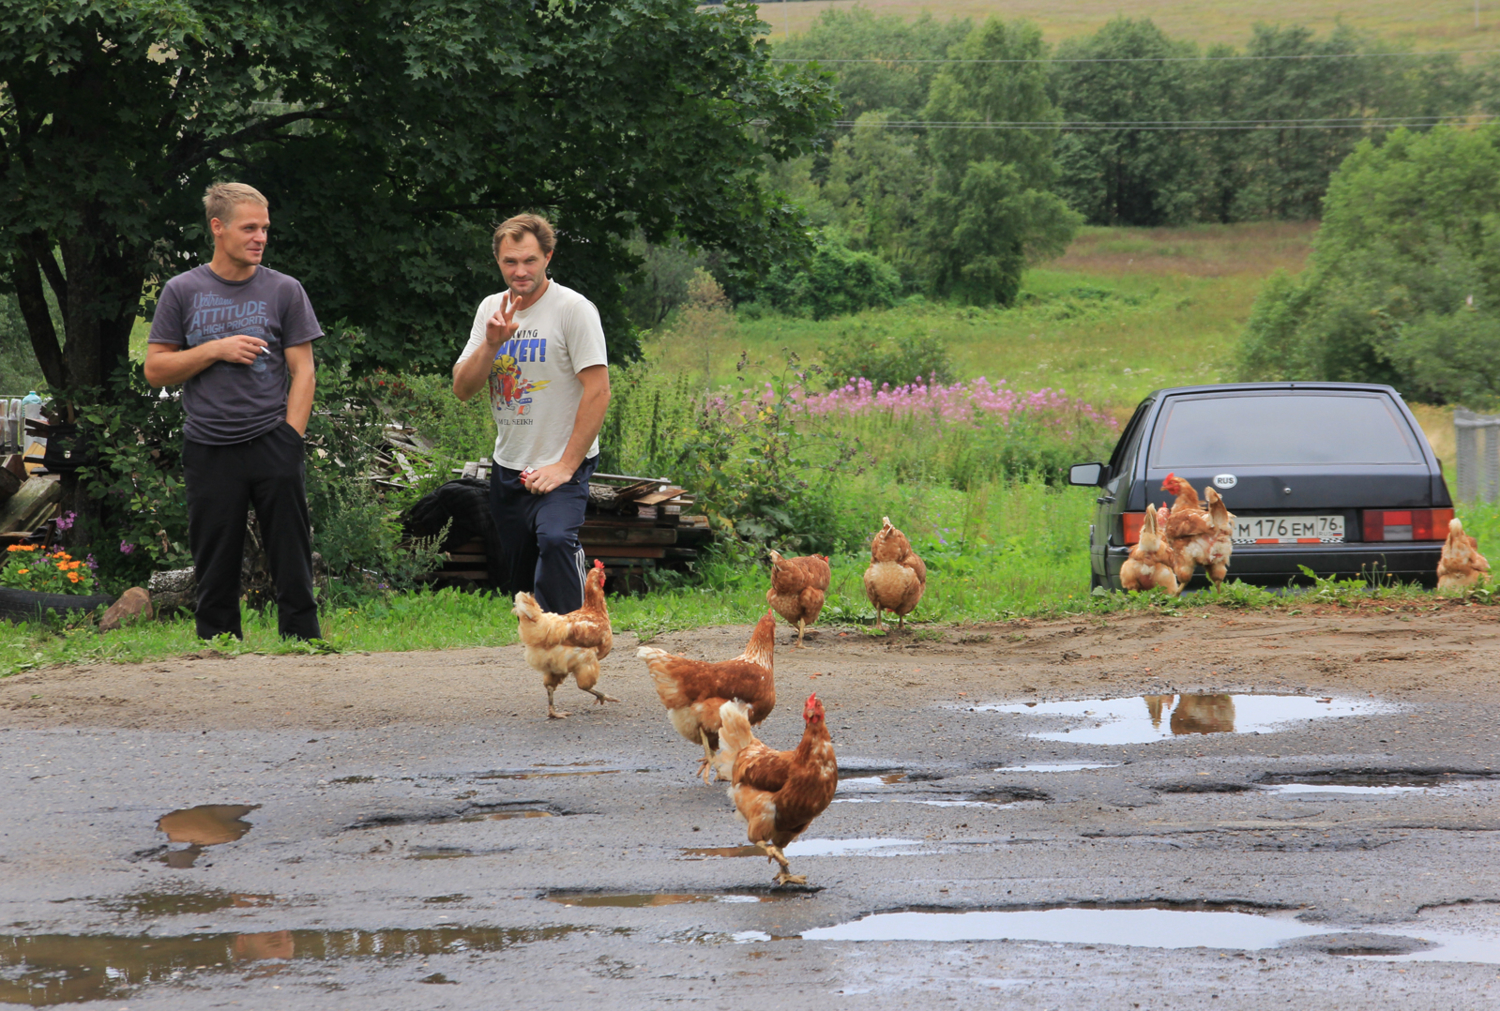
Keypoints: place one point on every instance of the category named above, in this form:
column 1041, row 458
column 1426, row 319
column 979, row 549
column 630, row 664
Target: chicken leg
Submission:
column 773, row 852
column 553, row 713
column 706, row 762
column 801, row 630
column 600, row 696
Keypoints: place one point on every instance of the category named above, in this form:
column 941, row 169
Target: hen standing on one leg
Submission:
column 561, row 644
column 896, row 578
column 798, row 589
column 1461, row 565
column 778, row 793
column 694, row 690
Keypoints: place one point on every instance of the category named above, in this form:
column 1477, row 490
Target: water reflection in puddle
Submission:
column 200, row 827
column 890, row 779
column 1144, row 719
column 152, row 904
column 495, row 816
column 644, row 900
column 1140, row 927
column 1352, row 791
column 46, row 969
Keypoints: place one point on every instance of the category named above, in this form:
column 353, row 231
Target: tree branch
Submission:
column 196, row 149
column 32, row 301
column 40, row 250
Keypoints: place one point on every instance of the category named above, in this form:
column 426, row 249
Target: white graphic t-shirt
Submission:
column 534, row 384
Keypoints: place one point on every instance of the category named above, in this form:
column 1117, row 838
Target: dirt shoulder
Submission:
column 1452, row 651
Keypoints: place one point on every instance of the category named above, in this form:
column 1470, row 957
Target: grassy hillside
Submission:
column 1444, row 24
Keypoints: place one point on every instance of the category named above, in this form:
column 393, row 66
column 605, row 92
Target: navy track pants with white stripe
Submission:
column 543, row 555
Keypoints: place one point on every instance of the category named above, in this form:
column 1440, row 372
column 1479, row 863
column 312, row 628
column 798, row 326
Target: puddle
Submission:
column 994, row 798
column 1323, row 789
column 890, row 779
column 1059, row 767
column 496, row 816
column 200, row 827
column 47, row 969
column 1368, row 778
column 704, row 852
column 1150, row 927
column 150, row 905
column 454, row 897
column 439, row 852
column 800, row 848
column 644, row 900
column 342, row 780
column 1144, row 719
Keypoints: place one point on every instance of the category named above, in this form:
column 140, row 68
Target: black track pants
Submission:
column 222, row 483
column 540, row 533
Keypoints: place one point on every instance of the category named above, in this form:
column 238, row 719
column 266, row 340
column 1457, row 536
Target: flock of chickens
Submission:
column 1176, row 541
column 716, row 704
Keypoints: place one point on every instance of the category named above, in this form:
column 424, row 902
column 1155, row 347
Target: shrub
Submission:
column 31, row 567
column 865, row 350
column 838, row 281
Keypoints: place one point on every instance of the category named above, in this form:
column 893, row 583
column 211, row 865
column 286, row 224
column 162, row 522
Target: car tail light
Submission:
column 1406, row 524
column 1133, row 523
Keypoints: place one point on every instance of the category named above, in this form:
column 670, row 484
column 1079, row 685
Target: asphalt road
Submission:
column 1226, row 852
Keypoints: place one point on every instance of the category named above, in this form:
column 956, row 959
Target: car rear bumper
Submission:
column 1279, row 565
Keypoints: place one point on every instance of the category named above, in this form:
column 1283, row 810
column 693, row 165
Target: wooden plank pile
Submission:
column 632, row 524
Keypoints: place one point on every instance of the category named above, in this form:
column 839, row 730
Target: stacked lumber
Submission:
column 632, row 524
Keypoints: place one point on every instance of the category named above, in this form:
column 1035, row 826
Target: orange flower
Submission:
column 22, row 572
column 74, row 577
column 21, row 547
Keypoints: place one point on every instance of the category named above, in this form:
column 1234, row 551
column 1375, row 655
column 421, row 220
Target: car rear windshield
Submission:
column 1282, row 429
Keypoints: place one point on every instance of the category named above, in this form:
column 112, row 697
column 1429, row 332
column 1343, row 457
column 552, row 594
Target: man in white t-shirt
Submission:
column 539, row 347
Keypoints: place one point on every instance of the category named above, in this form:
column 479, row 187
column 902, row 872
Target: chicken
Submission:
column 777, row 793
column 1221, row 546
column 1188, row 531
column 561, row 644
column 1461, row 565
column 896, row 578
column 798, row 589
column 694, row 690
column 1151, row 562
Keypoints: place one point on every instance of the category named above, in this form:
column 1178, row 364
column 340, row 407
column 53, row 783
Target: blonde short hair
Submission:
column 219, row 200
column 526, row 224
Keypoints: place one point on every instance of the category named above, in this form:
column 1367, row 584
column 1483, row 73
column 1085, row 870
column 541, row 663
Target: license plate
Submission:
column 1289, row 529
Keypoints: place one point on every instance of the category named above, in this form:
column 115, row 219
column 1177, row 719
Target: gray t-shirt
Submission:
column 228, row 403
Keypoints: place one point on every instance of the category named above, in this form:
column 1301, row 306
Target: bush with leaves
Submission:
column 837, row 281
column 32, row 567
column 886, row 355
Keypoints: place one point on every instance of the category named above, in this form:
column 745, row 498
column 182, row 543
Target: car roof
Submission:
column 1253, row 387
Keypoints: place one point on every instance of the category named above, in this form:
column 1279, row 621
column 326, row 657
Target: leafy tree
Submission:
column 877, row 177
column 1124, row 176
column 898, row 87
column 836, row 282
column 390, row 138
column 992, row 207
column 1404, row 281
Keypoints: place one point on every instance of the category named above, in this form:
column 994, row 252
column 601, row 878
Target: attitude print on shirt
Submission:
column 215, row 317
column 509, row 389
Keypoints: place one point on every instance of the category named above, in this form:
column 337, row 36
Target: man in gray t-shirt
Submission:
column 238, row 336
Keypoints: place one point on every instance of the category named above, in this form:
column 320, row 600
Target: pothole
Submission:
column 201, row 827
column 503, row 811
column 1203, row 787
column 644, row 900
column 153, row 904
column 47, row 969
column 550, row 772
column 1059, row 767
column 1143, row 719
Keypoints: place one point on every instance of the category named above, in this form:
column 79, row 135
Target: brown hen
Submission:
column 1461, row 565
column 694, row 690
column 798, row 588
column 1150, row 561
column 778, row 793
column 561, row 644
column 896, row 578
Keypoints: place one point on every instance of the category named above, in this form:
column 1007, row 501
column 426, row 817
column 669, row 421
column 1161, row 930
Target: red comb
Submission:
column 598, row 563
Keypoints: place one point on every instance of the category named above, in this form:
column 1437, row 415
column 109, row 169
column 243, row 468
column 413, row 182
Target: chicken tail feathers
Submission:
column 734, row 736
column 526, row 608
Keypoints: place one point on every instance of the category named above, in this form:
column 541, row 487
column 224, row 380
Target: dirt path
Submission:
column 1449, row 652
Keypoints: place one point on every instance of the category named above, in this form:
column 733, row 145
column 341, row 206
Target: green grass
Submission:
column 1422, row 26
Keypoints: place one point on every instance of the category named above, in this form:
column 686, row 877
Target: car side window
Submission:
column 1129, row 439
